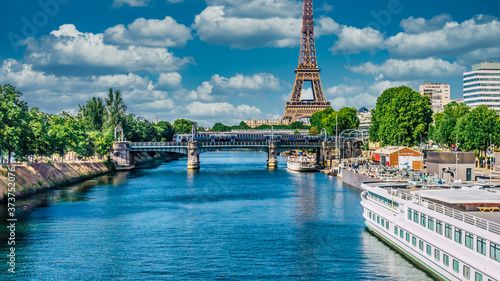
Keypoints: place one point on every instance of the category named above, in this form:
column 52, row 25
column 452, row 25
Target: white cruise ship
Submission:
column 454, row 234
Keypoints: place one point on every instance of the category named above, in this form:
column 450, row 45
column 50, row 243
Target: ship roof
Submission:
column 461, row 196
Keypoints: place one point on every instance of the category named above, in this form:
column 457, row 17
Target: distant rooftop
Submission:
column 486, row 65
column 363, row 110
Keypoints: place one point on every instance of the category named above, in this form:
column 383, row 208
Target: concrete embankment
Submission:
column 32, row 178
column 355, row 179
column 36, row 177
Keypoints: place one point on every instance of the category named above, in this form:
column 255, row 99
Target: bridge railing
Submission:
column 226, row 143
column 236, row 143
column 156, row 144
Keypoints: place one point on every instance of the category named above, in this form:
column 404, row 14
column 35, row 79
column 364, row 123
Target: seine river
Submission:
column 232, row 220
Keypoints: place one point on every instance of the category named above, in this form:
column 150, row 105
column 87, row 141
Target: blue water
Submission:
column 232, row 220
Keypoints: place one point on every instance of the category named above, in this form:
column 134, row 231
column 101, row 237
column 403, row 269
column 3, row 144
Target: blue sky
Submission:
column 230, row 60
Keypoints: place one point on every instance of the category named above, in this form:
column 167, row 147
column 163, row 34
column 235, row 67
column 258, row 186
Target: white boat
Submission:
column 454, row 234
column 302, row 164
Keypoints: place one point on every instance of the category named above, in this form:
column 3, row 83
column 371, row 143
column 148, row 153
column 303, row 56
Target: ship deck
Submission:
column 464, row 200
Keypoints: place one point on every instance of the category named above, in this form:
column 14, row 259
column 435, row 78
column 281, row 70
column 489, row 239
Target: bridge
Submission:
column 124, row 151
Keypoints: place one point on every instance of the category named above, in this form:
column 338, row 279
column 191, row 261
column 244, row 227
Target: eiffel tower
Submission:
column 307, row 71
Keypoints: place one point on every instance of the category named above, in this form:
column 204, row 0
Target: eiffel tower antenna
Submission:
column 307, row 71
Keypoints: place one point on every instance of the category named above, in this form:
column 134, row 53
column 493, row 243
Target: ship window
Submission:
column 429, row 250
column 495, row 251
column 479, row 277
column 469, row 241
column 439, row 227
column 415, row 216
column 378, row 219
column 421, row 245
column 407, row 236
column 396, row 230
column 414, row 241
column 382, row 222
column 466, row 272
column 458, row 235
column 437, row 254
column 370, row 215
column 387, row 224
column 430, row 224
column 446, row 260
column 422, row 219
column 481, row 246
column 447, row 231
column 401, row 233
column 409, row 214
column 456, row 266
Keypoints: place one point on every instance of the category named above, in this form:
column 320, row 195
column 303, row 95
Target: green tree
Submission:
column 313, row 131
column 164, row 131
column 318, row 117
column 446, row 122
column 401, row 114
column 341, row 120
column 39, row 143
column 65, row 134
column 115, row 107
column 474, row 129
column 14, row 122
column 219, row 127
column 94, row 112
column 183, row 126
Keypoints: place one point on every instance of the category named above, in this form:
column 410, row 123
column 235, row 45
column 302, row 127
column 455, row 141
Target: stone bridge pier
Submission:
column 122, row 156
column 193, row 156
column 325, row 152
column 272, row 155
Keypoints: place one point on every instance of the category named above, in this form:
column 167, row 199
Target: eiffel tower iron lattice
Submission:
column 307, row 71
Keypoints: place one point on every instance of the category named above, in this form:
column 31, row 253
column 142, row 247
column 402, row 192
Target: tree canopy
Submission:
column 401, row 115
column 334, row 121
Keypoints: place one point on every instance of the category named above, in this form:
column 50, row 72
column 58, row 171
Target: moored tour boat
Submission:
column 302, row 164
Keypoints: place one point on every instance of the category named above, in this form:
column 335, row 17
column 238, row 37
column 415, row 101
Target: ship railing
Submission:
column 450, row 212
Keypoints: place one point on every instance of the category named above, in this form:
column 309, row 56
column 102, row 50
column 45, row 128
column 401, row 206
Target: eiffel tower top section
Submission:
column 307, row 57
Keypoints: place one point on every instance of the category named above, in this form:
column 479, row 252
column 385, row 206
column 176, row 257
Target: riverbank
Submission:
column 32, row 178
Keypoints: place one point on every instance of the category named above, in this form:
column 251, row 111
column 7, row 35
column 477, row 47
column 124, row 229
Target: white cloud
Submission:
column 222, row 109
column 479, row 55
column 342, row 89
column 169, row 80
column 353, row 40
column 68, row 50
column 203, row 92
column 358, row 101
column 358, row 93
column 220, row 86
column 214, row 26
column 417, row 68
column 260, row 9
column 52, row 93
column 451, row 40
column 326, row 26
column 420, row 25
column 131, row 3
column 152, row 33
column 255, row 82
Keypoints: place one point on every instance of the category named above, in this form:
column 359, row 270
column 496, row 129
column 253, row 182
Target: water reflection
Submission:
column 380, row 258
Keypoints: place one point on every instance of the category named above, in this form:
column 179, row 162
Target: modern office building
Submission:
column 439, row 93
column 482, row 85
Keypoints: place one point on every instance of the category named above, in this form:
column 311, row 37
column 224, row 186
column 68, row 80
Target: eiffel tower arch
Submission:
column 307, row 71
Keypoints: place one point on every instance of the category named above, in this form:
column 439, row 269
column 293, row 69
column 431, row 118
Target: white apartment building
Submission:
column 482, row 85
column 365, row 118
column 439, row 93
